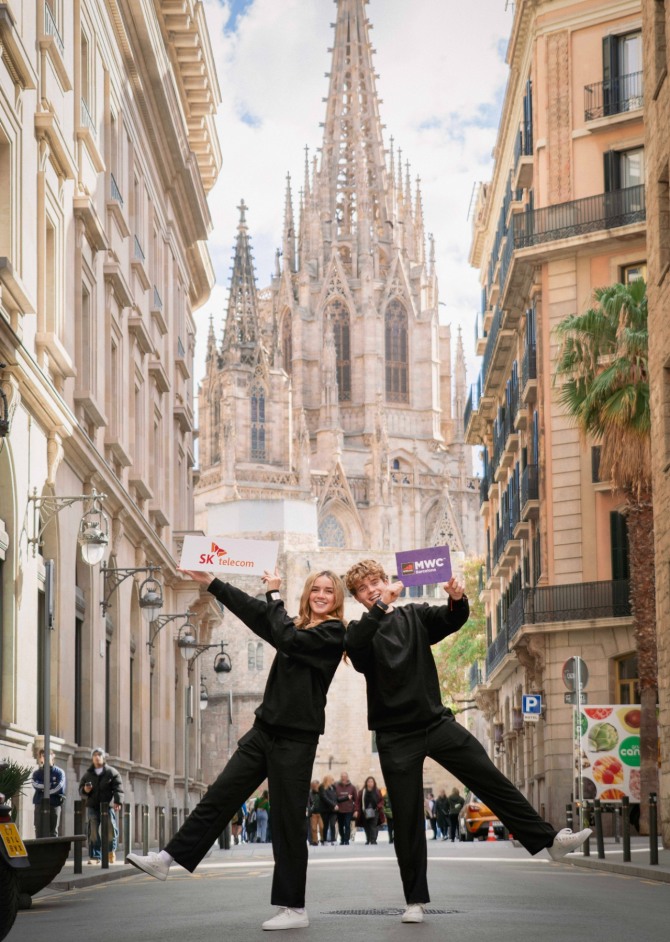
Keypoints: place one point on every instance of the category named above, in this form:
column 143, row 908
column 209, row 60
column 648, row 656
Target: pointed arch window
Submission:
column 396, row 352
column 338, row 313
column 331, row 532
column 258, row 449
column 286, row 340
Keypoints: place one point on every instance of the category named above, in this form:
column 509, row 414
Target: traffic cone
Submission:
column 491, row 836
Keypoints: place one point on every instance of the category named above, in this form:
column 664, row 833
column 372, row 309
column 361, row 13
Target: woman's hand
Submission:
column 272, row 580
column 454, row 589
column 204, row 578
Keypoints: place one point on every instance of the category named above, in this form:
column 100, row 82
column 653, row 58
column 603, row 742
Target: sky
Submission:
column 442, row 79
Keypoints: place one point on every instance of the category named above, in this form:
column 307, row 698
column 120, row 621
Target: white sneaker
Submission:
column 153, row 864
column 566, row 841
column 413, row 913
column 92, row 862
column 288, row 918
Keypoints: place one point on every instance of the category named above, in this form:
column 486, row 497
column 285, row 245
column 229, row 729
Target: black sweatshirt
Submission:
column 393, row 651
column 294, row 701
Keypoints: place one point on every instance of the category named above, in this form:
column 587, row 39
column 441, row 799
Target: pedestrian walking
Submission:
column 57, row 784
column 456, row 802
column 328, row 799
column 370, row 809
column 346, row 802
column 281, row 745
column 100, row 783
column 237, row 824
column 405, row 710
column 429, row 811
column 315, row 821
column 388, row 814
column 262, row 809
column 442, row 814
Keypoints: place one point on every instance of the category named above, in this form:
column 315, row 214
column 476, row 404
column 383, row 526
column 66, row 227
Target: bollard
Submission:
column 568, row 815
column 78, row 829
column 617, row 837
column 161, row 828
column 127, row 829
column 584, row 818
column 145, row 829
column 174, row 825
column 598, row 816
column 653, row 830
column 625, row 826
column 104, row 834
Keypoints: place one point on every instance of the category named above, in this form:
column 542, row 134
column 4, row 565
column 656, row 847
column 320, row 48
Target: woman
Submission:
column 442, row 814
column 281, row 745
column 328, row 797
column 370, row 809
column 237, row 823
column 262, row 808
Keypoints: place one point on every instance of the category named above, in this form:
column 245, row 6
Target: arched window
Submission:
column 286, row 340
column 397, row 381
column 331, row 532
column 255, row 656
column 338, row 313
column 258, row 452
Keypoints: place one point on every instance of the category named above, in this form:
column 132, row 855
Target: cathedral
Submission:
column 330, row 417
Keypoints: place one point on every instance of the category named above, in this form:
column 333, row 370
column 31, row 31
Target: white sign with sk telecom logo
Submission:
column 221, row 555
column 531, row 706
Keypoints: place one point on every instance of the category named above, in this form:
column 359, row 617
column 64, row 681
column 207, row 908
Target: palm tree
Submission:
column 603, row 370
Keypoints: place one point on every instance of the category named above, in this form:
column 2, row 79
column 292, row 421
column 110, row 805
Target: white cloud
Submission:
column 442, row 76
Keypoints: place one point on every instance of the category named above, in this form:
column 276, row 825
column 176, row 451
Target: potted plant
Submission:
column 46, row 855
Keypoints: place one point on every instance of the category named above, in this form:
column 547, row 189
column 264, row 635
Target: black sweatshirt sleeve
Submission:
column 359, row 637
column 309, row 645
column 253, row 612
column 443, row 620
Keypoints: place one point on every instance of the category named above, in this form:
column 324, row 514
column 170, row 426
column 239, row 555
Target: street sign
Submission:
column 572, row 698
column 570, row 673
column 531, row 717
column 531, row 703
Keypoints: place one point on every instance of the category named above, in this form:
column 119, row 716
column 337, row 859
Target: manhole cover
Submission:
column 386, row 912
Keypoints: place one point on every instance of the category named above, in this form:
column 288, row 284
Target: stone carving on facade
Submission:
column 529, row 650
column 487, row 703
column 54, row 456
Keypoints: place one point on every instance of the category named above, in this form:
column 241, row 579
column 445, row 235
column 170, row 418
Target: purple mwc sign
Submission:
column 424, row 566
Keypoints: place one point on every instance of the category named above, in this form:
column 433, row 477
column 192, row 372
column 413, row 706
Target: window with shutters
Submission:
column 619, row 546
column 622, row 73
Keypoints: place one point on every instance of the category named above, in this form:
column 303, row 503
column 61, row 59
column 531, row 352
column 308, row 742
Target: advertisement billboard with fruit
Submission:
column 609, row 751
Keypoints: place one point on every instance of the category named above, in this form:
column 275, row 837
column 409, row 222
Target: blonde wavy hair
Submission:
column 305, row 619
column 360, row 571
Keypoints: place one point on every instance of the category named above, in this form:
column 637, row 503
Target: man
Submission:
column 392, row 647
column 56, row 794
column 347, row 794
column 314, row 819
column 456, row 802
column 101, row 782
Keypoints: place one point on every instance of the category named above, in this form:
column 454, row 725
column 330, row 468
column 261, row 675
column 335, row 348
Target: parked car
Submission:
column 474, row 819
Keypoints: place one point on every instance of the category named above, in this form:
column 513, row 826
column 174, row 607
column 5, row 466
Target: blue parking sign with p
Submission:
column 531, row 703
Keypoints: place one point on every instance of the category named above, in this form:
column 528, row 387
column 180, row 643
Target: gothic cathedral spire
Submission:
column 242, row 335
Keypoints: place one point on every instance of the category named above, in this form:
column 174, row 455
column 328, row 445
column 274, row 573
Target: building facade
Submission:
column 329, row 404
column 564, row 213
column 107, row 152
column 657, row 149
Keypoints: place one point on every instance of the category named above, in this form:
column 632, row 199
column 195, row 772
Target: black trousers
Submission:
column 287, row 765
column 447, row 742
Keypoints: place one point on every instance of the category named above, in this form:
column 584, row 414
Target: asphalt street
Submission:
column 479, row 891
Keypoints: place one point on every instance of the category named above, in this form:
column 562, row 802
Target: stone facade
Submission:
column 107, row 151
column 331, row 393
column 657, row 148
column 563, row 214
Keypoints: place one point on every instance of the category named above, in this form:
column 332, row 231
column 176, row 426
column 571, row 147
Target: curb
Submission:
column 658, row 875
column 77, row 881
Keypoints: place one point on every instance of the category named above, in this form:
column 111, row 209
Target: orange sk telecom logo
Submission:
column 218, row 551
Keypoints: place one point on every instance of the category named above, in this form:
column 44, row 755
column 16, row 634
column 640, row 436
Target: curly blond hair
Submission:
column 361, row 570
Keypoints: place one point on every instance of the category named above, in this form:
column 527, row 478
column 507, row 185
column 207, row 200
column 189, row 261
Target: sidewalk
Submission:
column 639, row 866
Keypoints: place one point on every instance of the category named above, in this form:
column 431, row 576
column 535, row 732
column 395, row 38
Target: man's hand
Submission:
column 204, row 578
column 390, row 593
column 116, row 807
column 88, row 787
column 272, row 580
column 454, row 589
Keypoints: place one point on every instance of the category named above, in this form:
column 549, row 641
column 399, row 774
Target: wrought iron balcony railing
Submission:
column 87, row 119
column 530, row 484
column 115, row 191
column 138, row 252
column 623, row 93
column 528, row 364
column 578, row 217
column 51, row 29
column 475, row 677
column 497, row 650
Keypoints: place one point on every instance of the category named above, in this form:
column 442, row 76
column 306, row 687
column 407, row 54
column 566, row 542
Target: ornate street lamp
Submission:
column 93, row 529
column 158, row 623
column 151, row 592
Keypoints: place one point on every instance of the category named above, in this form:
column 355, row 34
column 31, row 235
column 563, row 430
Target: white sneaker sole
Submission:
column 146, row 868
column 287, row 925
